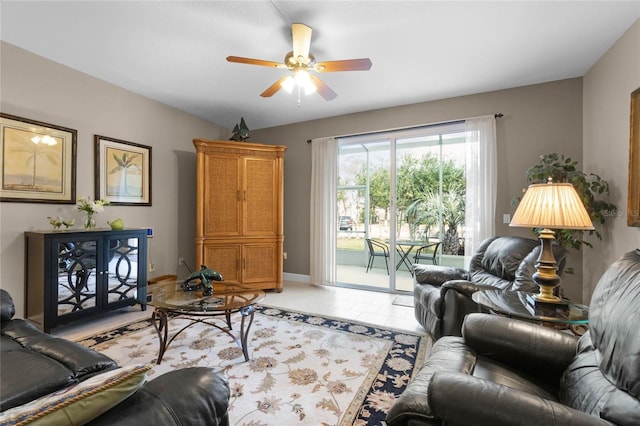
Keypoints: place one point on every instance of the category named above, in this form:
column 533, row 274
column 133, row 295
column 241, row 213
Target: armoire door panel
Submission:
column 259, row 262
column 222, row 195
column 260, row 214
column 226, row 259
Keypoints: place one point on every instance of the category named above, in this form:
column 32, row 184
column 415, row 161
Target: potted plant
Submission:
column 591, row 188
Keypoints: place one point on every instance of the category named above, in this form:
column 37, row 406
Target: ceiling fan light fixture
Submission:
column 310, row 88
column 303, row 81
column 288, row 84
column 301, row 76
column 301, row 63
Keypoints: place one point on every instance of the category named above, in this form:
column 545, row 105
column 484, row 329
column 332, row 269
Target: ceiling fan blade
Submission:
column 301, row 35
column 324, row 90
column 252, row 61
column 271, row 90
column 363, row 64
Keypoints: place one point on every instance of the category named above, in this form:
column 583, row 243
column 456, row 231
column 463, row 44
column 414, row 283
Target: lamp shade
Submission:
column 552, row 205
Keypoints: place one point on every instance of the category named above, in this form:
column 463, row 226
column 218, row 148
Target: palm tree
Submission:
column 124, row 163
column 34, row 150
column 453, row 214
column 430, row 208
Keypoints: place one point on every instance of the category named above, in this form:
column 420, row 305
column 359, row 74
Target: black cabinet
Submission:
column 77, row 274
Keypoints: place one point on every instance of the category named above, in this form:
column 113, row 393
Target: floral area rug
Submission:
column 303, row 369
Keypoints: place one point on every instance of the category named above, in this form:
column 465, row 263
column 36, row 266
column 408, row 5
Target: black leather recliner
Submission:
column 506, row 371
column 34, row 364
column 442, row 294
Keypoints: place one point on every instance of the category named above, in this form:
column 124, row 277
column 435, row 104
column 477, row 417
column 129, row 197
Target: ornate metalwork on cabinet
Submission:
column 76, row 274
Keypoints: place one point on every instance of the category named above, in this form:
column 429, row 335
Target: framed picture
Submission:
column 633, row 207
column 123, row 172
column 38, row 161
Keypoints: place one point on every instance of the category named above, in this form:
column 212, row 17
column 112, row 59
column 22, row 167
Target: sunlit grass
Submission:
column 356, row 244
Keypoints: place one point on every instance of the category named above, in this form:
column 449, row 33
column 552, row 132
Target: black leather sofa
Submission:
column 442, row 294
column 505, row 371
column 34, row 364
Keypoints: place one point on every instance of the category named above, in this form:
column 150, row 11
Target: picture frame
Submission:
column 123, row 172
column 633, row 201
column 38, row 161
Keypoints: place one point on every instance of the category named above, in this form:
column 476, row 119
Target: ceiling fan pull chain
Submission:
column 299, row 99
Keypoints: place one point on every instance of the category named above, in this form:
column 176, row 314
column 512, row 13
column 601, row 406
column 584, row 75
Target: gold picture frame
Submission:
column 123, row 172
column 633, row 207
column 38, row 161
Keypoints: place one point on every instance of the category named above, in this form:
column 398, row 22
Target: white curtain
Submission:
column 481, row 170
column 323, row 218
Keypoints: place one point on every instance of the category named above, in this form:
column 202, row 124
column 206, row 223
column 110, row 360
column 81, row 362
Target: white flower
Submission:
column 92, row 207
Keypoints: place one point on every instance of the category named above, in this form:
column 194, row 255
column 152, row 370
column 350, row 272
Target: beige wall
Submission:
column 607, row 87
column 538, row 119
column 39, row 89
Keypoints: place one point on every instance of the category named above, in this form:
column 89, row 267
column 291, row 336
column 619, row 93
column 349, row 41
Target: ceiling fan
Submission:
column 301, row 63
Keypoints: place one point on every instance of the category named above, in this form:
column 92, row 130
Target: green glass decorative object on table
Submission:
column 240, row 131
column 116, row 225
column 56, row 222
column 202, row 279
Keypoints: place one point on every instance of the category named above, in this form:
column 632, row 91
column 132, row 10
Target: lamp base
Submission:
column 535, row 301
column 547, row 309
column 545, row 276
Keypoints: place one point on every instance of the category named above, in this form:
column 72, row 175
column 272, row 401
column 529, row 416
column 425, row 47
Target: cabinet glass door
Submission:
column 121, row 274
column 77, row 272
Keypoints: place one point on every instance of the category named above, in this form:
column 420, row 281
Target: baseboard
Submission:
column 296, row 277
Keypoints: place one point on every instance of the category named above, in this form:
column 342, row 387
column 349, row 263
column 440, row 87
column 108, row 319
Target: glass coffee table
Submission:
column 170, row 300
column 517, row 304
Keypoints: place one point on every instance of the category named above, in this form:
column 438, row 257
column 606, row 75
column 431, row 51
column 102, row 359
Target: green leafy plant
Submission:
column 591, row 188
column 430, row 207
column 240, row 131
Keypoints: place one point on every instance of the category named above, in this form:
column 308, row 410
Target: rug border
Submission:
column 335, row 318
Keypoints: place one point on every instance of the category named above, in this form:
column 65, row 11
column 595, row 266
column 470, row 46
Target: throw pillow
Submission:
column 80, row 403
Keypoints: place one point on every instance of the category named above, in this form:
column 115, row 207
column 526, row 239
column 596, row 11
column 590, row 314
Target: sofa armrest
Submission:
column 188, row 396
column 437, row 275
column 466, row 287
column 488, row 403
column 412, row 407
column 455, row 297
column 541, row 351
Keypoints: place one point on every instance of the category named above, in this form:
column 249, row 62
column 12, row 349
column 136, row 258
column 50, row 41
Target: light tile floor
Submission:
column 365, row 306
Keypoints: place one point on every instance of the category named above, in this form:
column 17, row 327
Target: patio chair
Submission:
column 377, row 249
column 427, row 252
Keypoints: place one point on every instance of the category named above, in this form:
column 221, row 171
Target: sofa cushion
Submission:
column 27, row 375
column 503, row 256
column 7, row 308
column 79, row 403
column 604, row 379
column 613, row 323
column 81, row 361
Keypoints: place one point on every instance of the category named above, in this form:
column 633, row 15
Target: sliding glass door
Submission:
column 363, row 201
column 400, row 201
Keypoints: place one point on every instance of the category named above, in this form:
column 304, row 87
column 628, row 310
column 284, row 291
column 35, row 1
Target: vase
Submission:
column 89, row 222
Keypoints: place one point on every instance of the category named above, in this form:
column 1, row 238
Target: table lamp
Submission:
column 550, row 206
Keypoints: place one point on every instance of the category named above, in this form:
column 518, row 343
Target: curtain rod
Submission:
column 496, row 115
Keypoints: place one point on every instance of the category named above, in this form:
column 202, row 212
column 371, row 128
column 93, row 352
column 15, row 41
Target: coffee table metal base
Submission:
column 160, row 318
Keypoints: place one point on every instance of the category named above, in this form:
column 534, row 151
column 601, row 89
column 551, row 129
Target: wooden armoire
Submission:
column 239, row 203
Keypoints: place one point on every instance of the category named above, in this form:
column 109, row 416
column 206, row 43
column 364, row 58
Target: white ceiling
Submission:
column 174, row 51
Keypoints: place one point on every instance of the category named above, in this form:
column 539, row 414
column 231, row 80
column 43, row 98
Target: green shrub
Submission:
column 591, row 188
